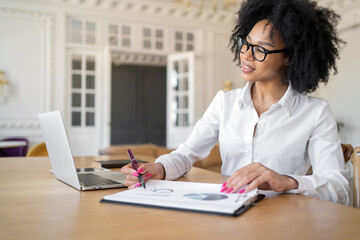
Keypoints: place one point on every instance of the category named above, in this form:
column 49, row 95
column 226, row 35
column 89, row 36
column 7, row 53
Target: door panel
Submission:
column 138, row 112
column 180, row 97
column 83, row 90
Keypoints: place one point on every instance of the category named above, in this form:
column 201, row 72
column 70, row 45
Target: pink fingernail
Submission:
column 228, row 191
column 223, row 189
column 137, row 185
column 135, row 174
column 148, row 175
column 140, row 170
column 242, row 190
column 223, row 185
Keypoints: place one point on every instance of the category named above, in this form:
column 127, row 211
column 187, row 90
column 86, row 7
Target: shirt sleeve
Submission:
column 199, row 144
column 330, row 179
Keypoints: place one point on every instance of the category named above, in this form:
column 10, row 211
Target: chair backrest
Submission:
column 347, row 151
column 38, row 150
column 16, row 151
column 355, row 160
column 146, row 149
column 354, row 156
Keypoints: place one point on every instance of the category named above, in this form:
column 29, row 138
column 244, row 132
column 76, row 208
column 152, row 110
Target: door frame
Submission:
column 106, row 90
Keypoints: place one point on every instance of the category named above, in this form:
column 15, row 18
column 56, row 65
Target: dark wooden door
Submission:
column 138, row 105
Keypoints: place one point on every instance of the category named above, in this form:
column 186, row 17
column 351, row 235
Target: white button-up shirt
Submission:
column 296, row 132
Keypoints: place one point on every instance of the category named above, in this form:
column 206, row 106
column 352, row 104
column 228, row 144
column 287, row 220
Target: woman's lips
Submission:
column 246, row 68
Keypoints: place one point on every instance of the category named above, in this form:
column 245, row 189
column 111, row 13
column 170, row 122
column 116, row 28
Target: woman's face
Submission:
column 271, row 68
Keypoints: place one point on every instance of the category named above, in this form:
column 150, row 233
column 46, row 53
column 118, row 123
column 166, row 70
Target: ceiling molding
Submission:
column 348, row 9
column 201, row 11
column 157, row 8
column 340, row 6
column 350, row 20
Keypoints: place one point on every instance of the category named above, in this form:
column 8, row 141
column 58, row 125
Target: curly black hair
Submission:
column 307, row 30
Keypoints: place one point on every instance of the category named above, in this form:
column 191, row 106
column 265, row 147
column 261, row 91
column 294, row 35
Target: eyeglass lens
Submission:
column 258, row 52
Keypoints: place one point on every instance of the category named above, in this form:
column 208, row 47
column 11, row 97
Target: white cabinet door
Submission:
column 180, row 98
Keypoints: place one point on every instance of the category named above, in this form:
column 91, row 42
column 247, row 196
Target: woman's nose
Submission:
column 248, row 55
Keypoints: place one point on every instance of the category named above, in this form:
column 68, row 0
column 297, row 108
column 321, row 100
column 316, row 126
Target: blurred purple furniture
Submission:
column 15, row 151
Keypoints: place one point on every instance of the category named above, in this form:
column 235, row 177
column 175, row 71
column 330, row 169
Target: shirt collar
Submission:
column 245, row 97
column 286, row 102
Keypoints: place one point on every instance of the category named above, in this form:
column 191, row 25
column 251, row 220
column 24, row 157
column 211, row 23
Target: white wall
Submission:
column 219, row 66
column 343, row 90
column 23, row 70
column 225, row 68
column 25, row 57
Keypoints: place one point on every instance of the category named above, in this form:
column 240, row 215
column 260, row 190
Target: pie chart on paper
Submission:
column 206, row 196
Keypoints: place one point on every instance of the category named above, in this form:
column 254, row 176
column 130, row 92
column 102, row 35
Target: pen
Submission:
column 135, row 166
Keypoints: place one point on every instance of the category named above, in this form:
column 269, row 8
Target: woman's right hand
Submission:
column 148, row 170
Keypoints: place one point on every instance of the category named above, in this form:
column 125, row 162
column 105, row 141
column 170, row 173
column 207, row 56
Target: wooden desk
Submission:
column 34, row 205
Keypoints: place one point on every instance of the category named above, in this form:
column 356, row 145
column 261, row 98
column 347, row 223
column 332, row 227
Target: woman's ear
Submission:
column 285, row 66
column 287, row 62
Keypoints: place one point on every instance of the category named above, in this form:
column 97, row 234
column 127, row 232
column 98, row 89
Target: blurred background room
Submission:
column 137, row 71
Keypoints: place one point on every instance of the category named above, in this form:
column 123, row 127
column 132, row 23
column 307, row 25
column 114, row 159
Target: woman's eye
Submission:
column 260, row 49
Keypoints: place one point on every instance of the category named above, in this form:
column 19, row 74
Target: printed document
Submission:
column 204, row 197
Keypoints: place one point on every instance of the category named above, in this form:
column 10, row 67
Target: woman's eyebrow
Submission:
column 262, row 42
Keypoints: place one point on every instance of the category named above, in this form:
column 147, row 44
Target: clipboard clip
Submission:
column 254, row 201
column 249, row 203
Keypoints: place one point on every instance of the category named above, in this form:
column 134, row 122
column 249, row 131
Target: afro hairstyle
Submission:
column 308, row 32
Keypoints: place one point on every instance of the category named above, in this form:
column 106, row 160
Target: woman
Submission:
column 271, row 131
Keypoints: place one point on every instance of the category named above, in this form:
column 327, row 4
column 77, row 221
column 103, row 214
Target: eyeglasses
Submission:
column 258, row 52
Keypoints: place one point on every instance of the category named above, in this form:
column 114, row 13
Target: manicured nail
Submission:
column 135, row 174
column 223, row 189
column 223, row 185
column 228, row 191
column 148, row 175
column 138, row 184
column 242, row 190
column 140, row 170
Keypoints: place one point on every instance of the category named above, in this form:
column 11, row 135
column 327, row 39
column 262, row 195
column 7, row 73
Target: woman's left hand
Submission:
column 256, row 175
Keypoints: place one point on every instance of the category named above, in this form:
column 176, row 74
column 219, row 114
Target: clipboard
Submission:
column 238, row 212
column 186, row 196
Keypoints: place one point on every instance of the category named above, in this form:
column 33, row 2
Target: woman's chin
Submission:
column 247, row 78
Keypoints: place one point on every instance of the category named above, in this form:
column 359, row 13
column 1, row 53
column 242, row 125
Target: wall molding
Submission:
column 119, row 58
column 46, row 22
column 20, row 125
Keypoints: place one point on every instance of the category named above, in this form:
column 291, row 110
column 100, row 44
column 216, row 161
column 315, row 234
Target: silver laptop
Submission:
column 62, row 161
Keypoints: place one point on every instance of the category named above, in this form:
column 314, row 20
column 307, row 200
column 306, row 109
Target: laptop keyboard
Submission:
column 91, row 179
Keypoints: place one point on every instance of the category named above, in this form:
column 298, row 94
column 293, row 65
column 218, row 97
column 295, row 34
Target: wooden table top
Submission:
column 34, row 205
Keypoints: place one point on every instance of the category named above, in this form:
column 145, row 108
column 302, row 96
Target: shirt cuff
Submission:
column 169, row 169
column 305, row 186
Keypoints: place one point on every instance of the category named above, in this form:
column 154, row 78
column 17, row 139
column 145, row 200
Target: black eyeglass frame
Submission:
column 240, row 40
